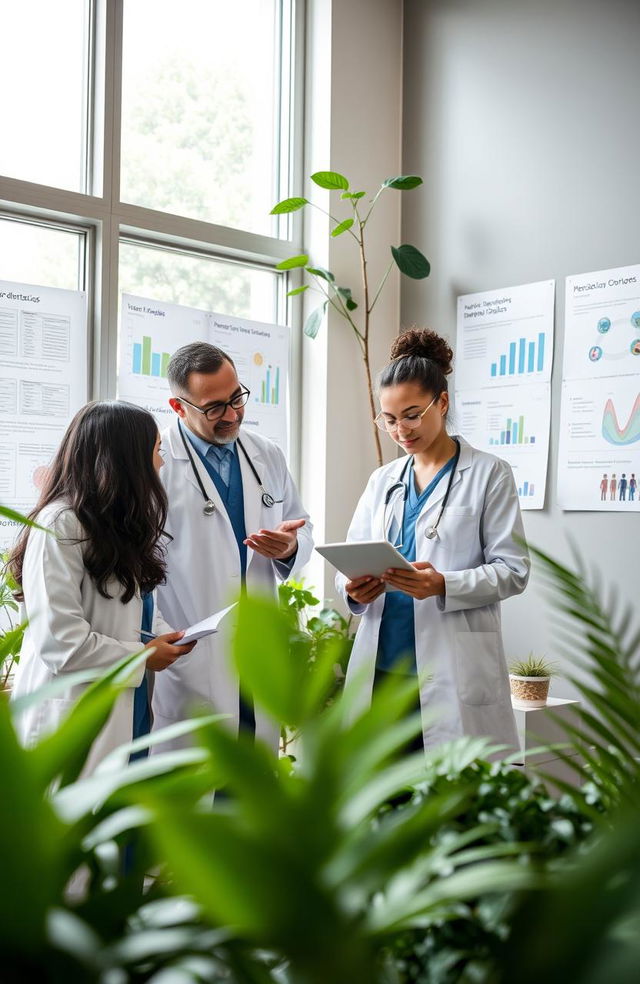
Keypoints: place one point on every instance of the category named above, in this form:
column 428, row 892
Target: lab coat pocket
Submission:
column 478, row 667
column 48, row 716
column 461, row 532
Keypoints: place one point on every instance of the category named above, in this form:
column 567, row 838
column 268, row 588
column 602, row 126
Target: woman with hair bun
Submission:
column 452, row 511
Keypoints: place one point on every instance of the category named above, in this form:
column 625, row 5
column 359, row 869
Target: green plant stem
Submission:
column 333, row 218
column 382, row 283
column 343, row 313
column 365, row 354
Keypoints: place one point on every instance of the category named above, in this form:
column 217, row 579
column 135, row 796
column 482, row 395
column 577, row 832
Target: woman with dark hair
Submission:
column 452, row 511
column 87, row 584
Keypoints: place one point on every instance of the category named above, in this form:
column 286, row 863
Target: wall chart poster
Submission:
column 43, row 382
column 151, row 331
column 599, row 448
column 504, row 356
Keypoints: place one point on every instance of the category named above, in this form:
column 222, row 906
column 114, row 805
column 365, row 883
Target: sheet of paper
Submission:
column 512, row 422
column 504, row 356
column 599, row 449
column 43, row 382
column 204, row 628
column 151, row 331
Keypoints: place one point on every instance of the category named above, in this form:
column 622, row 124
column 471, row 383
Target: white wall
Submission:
column 352, row 125
column 523, row 118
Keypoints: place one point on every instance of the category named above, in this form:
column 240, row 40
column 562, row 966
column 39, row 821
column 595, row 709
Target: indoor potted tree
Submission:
column 529, row 679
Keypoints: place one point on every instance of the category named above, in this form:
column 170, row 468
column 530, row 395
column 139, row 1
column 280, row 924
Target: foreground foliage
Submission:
column 355, row 865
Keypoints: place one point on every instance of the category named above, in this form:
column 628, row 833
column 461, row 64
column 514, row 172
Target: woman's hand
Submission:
column 424, row 581
column 363, row 590
column 166, row 652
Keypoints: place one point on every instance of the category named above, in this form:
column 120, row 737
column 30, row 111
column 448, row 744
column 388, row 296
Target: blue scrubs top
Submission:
column 141, row 708
column 397, row 639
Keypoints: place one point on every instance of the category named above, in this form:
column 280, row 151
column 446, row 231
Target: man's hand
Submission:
column 424, row 581
column 364, row 589
column 278, row 544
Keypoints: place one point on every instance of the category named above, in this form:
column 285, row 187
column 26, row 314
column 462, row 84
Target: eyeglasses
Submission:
column 218, row 410
column 411, row 422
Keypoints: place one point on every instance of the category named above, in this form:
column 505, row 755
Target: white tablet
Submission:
column 363, row 557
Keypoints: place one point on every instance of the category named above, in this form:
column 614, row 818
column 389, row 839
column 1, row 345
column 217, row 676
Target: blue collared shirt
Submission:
column 218, row 455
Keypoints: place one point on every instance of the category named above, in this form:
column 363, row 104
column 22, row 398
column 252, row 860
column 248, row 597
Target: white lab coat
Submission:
column 203, row 574
column 72, row 627
column 459, row 649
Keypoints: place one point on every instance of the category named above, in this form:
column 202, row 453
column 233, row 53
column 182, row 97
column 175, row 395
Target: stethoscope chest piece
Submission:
column 268, row 500
column 209, row 508
column 431, row 533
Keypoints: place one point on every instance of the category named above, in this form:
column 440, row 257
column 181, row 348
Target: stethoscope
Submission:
column 431, row 532
column 210, row 506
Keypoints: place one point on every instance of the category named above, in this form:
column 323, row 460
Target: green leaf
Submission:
column 330, row 180
column 345, row 294
column 19, row 518
column 293, row 262
column 267, row 667
column 313, row 322
column 321, row 272
column 342, row 227
column 288, row 205
column 31, row 839
column 411, row 262
column 405, row 182
column 297, row 290
column 64, row 752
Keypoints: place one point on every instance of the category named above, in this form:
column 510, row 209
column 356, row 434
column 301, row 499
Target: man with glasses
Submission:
column 236, row 523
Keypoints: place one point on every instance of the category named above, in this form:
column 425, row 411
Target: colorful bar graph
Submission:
column 270, row 387
column 145, row 362
column 513, row 433
column 526, row 489
column 523, row 357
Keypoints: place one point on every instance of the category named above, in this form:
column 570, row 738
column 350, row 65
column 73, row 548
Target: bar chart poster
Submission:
column 150, row 332
column 43, row 381
column 599, row 447
column 505, row 336
column 261, row 355
column 512, row 423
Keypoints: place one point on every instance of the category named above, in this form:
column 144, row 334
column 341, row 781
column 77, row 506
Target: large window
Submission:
column 32, row 253
column 201, row 122
column 44, row 81
column 143, row 145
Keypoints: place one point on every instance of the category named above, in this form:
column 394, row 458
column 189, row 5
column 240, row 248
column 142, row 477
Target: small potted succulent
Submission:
column 529, row 679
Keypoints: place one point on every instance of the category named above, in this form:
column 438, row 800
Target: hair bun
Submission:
column 426, row 343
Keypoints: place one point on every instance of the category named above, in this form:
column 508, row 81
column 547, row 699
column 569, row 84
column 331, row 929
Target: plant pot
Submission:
column 529, row 691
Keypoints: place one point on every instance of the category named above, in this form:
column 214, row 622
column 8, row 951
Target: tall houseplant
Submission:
column 409, row 260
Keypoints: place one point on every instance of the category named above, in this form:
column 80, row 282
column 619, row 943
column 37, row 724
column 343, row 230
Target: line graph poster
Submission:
column 151, row 331
column 43, row 382
column 599, row 451
column 504, row 356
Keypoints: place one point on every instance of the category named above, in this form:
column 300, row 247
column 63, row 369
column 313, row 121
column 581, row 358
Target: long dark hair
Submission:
column 103, row 471
column 419, row 356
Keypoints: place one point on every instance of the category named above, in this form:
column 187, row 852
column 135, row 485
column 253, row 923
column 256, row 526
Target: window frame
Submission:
column 106, row 221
